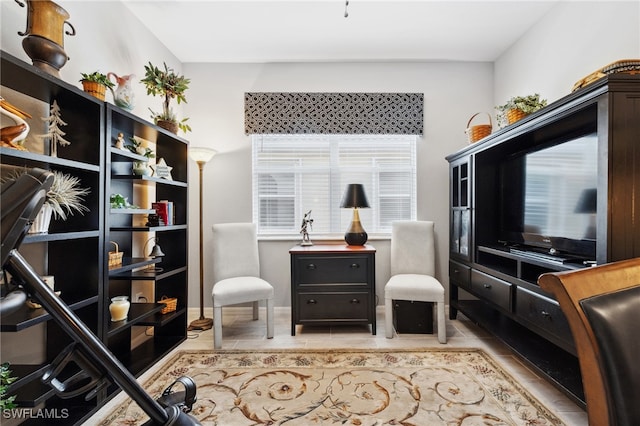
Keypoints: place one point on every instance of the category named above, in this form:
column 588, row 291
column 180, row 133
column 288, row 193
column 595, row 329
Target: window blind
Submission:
column 294, row 174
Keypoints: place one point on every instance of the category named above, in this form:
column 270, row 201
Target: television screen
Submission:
column 552, row 195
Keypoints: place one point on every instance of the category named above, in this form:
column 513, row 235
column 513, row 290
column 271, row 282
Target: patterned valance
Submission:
column 336, row 113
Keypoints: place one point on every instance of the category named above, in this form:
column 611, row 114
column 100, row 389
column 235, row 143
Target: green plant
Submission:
column 170, row 85
column 97, row 77
column 66, row 196
column 137, row 148
column 527, row 104
column 6, row 403
column 119, row 201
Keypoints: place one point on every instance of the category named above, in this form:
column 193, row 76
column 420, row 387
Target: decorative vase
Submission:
column 44, row 36
column 171, row 126
column 141, row 168
column 514, row 115
column 41, row 223
column 124, row 95
column 94, row 89
column 119, row 308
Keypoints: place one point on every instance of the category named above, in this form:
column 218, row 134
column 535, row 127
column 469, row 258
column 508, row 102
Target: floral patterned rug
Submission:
column 417, row 387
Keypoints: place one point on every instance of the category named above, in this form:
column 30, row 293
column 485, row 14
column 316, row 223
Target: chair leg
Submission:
column 256, row 310
column 270, row 318
column 442, row 327
column 388, row 318
column 217, row 327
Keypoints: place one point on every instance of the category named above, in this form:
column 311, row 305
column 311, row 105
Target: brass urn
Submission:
column 44, row 36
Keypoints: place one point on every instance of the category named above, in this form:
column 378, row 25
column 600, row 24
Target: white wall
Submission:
column 452, row 93
column 573, row 40
column 108, row 38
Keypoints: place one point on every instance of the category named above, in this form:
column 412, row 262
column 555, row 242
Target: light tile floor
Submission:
column 240, row 332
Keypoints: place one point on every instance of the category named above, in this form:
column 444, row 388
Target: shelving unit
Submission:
column 147, row 334
column 75, row 251
column 496, row 286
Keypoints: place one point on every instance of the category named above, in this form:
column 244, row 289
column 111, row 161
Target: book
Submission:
column 162, row 210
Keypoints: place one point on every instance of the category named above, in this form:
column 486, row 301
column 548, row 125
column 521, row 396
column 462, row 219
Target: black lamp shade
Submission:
column 354, row 196
column 587, row 203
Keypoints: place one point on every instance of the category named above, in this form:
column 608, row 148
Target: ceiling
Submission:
column 317, row 31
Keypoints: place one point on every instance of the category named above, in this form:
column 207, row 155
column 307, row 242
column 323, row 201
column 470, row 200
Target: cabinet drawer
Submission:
column 542, row 312
column 352, row 306
column 491, row 289
column 460, row 274
column 331, row 269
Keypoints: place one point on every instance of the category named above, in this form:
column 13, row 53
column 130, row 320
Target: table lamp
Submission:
column 354, row 197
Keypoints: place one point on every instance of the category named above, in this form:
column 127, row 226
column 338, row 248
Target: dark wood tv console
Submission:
column 497, row 287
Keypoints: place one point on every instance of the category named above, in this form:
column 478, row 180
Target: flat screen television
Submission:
column 548, row 198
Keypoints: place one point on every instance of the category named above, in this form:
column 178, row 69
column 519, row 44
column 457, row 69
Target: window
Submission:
column 293, row 174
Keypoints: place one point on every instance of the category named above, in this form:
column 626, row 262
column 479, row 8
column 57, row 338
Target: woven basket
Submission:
column 477, row 132
column 115, row 257
column 94, row 89
column 514, row 115
column 171, row 303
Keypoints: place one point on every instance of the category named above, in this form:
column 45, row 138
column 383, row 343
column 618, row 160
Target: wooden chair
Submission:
column 602, row 305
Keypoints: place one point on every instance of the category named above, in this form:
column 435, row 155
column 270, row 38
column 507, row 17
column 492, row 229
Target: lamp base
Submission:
column 356, row 238
column 355, row 235
column 200, row 324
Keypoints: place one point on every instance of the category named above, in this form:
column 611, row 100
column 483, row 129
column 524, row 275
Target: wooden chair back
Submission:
column 605, row 298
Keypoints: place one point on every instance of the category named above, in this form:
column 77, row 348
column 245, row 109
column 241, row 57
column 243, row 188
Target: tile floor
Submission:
column 239, row 332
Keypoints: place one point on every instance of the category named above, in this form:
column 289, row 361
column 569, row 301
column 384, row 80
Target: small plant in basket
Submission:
column 519, row 107
column 96, row 84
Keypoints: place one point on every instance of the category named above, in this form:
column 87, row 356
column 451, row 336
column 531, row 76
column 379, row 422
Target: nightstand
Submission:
column 333, row 285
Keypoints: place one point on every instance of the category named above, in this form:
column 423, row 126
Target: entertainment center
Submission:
column 558, row 190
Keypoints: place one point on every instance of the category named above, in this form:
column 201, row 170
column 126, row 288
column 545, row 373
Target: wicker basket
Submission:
column 115, row 257
column 171, row 303
column 514, row 115
column 94, row 89
column 477, row 132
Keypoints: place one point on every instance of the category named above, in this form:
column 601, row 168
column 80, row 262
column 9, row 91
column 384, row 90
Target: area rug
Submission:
column 371, row 387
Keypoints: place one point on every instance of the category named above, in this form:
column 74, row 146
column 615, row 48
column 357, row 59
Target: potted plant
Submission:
column 6, row 402
column 96, row 84
column 169, row 85
column 519, row 107
column 140, row 168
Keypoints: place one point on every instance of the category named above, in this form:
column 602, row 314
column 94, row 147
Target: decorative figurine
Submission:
column 307, row 223
column 54, row 132
column 120, row 142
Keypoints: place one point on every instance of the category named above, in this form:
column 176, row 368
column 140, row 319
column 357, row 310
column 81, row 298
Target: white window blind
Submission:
column 293, row 174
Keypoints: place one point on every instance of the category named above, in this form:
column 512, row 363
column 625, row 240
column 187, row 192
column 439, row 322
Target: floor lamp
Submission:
column 201, row 156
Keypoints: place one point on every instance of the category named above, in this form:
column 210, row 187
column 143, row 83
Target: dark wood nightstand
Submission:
column 333, row 285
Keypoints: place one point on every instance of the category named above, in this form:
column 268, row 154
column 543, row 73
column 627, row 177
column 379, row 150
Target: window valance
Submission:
column 333, row 113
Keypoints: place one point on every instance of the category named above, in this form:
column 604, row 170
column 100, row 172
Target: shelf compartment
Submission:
column 159, row 320
column 132, row 211
column 129, row 264
column 148, row 180
column 137, row 313
column 149, row 353
column 7, row 153
column 148, row 228
column 39, row 238
column 150, row 274
column 25, row 317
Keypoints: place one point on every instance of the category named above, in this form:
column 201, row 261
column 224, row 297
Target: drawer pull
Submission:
column 311, row 266
column 355, row 301
column 354, row 266
column 487, row 286
column 312, row 302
